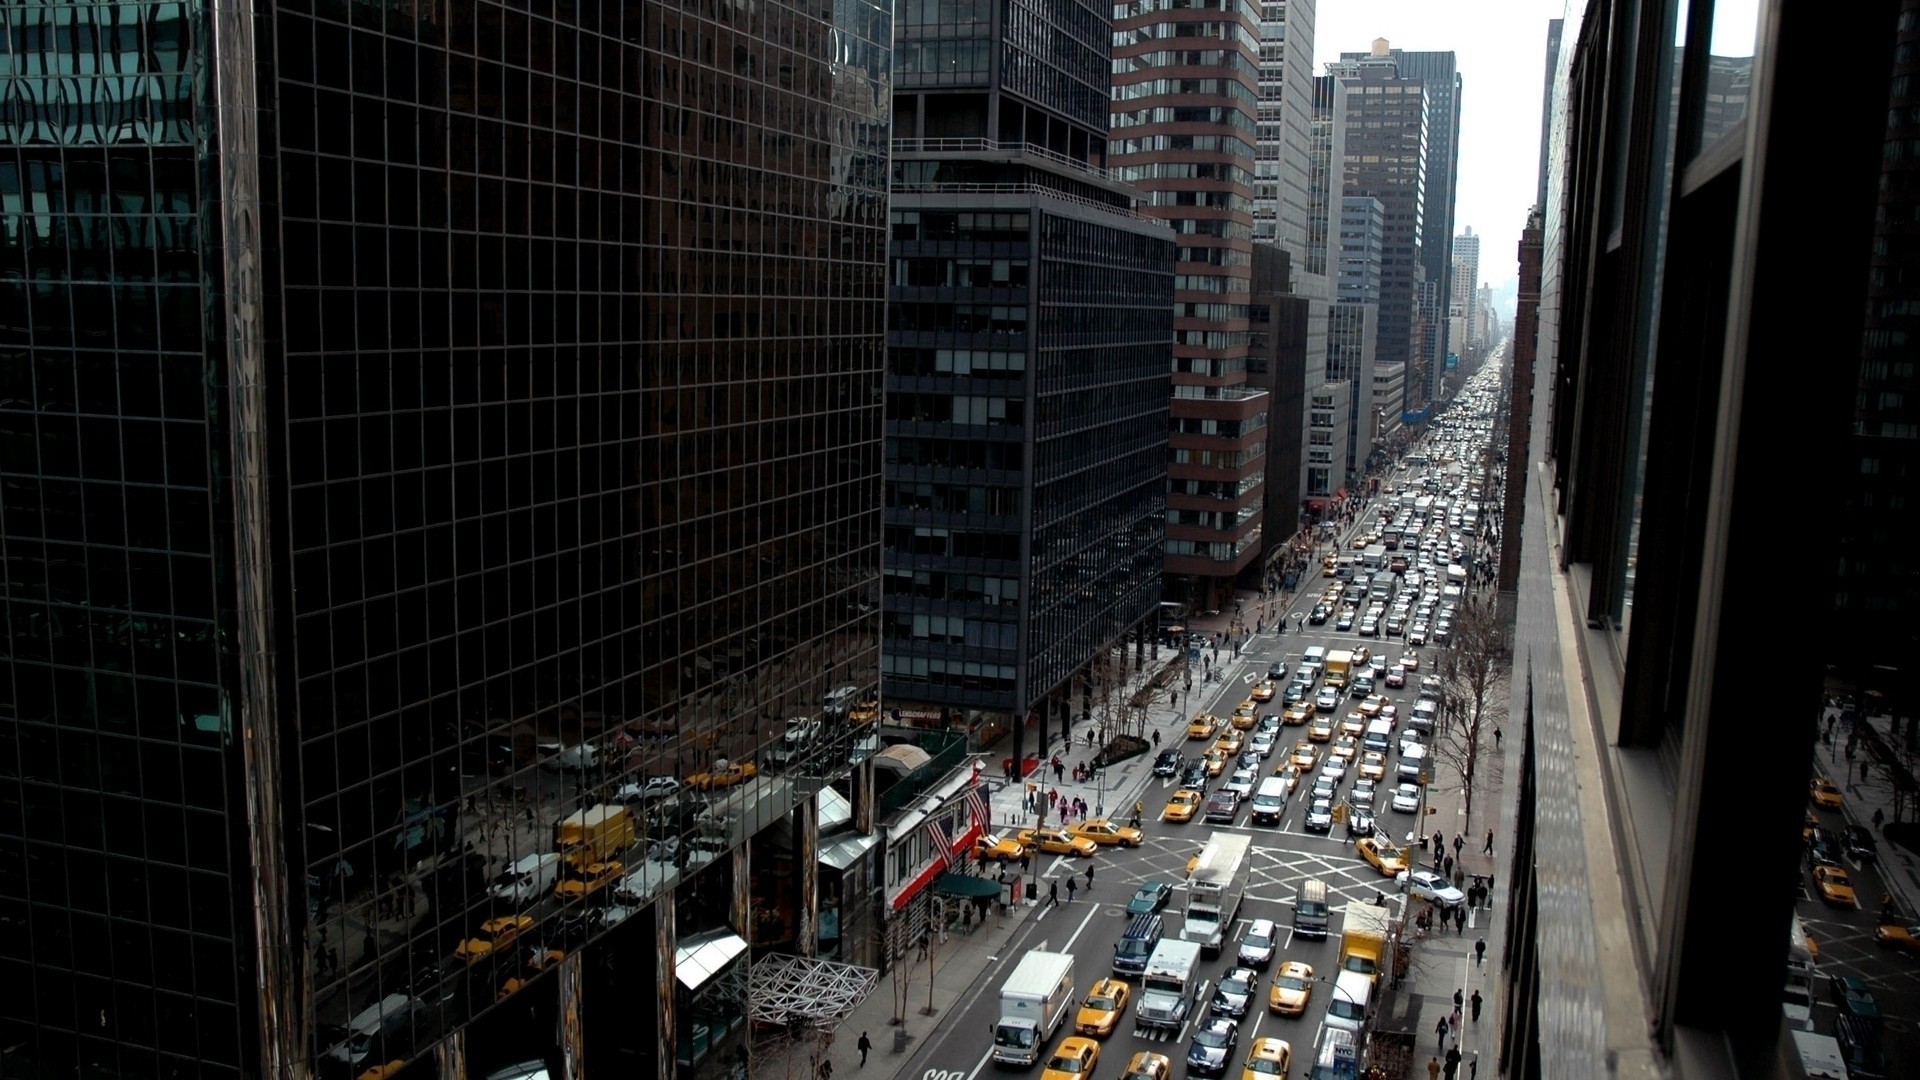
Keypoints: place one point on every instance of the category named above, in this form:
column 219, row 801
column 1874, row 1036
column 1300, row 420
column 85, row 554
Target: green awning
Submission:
column 951, row 884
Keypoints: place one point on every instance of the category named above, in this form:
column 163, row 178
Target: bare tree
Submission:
column 900, row 954
column 1472, row 668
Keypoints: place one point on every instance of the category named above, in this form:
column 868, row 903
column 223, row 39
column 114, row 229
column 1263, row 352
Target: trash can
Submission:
column 900, row 1040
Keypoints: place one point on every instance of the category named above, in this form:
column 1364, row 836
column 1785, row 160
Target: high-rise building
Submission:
column 1465, row 276
column 1387, row 157
column 1353, row 334
column 430, row 427
column 1027, row 388
column 1282, row 170
column 1189, row 144
column 1438, row 75
column 1675, row 266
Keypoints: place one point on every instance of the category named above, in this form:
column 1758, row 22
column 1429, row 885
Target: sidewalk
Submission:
column 1878, row 752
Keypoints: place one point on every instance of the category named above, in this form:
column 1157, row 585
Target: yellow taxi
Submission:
column 1344, row 748
column 1230, row 742
column 1834, row 885
column 595, row 877
column 1894, row 936
column 1147, row 1065
column 1057, row 842
column 383, row 1072
column 1182, row 805
column 1100, row 1012
column 1812, row 823
column 1203, row 726
column 1292, row 988
column 1073, row 1059
column 1409, row 661
column 1104, row 832
column 1371, row 705
column 1373, row 765
column 725, row 776
column 1361, row 654
column 1291, row 774
column 494, row 934
column 1320, row 729
column 1297, row 713
column 995, row 846
column 1244, row 715
column 1824, row 794
column 1215, row 761
column 1269, row 1057
column 1305, row 756
column 1329, row 565
column 1262, row 690
column 1353, row 724
column 1382, row 855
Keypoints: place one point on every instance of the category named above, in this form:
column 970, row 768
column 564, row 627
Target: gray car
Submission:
column 1257, row 947
column 1213, row 1044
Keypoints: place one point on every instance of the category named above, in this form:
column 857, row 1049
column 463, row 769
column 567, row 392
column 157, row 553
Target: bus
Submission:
column 1796, row 997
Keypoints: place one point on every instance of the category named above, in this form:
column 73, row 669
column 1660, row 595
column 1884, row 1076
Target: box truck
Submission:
column 1033, row 1001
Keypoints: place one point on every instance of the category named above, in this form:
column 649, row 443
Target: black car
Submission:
column 1318, row 616
column 1277, row 670
column 1297, row 692
column 1213, row 1043
column 1168, row 763
column 1859, row 844
column 1195, row 776
column 1222, row 806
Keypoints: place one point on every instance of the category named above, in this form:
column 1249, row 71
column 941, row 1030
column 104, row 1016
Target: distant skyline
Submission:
column 1501, row 48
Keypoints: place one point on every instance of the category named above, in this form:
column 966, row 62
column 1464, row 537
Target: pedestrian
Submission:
column 1053, row 796
column 1453, row 1062
column 1433, row 1069
column 865, row 1044
column 825, row 1071
column 1459, row 841
column 1459, row 997
column 1053, row 893
column 529, row 815
column 1863, row 772
column 1026, row 860
column 1475, row 1000
column 1496, row 737
column 1459, row 921
column 1879, row 817
column 1440, row 1029
column 1439, row 842
column 1072, row 887
column 1473, row 1066
column 369, row 946
column 1447, row 865
column 1138, row 809
column 1479, row 951
column 1156, row 733
column 1089, row 877
column 1453, row 1023
column 1488, row 850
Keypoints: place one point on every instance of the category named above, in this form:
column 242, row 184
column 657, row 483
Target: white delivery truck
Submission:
column 1033, row 1001
column 528, row 879
column 1214, row 892
column 1170, row 985
column 1820, row 1055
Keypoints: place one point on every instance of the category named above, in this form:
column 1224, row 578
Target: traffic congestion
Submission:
column 1284, row 856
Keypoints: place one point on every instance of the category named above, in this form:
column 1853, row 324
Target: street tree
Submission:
column 1472, row 668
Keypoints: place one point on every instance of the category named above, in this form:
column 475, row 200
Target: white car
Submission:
column 1428, row 885
column 653, row 787
column 1262, row 743
column 1406, row 798
column 1241, row 782
column 1335, row 769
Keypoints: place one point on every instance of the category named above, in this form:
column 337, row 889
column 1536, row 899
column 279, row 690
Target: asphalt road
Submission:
column 1283, row 857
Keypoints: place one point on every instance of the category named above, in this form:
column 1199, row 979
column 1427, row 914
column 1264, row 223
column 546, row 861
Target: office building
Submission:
column 430, row 429
column 1387, row 158
column 1465, row 277
column 1675, row 261
column 1027, row 387
column 1282, row 171
column 1438, row 74
column 1353, row 334
column 1188, row 143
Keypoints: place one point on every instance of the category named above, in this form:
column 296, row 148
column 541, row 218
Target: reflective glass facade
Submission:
column 423, row 423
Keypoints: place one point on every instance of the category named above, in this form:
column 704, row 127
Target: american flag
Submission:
column 940, row 835
column 977, row 802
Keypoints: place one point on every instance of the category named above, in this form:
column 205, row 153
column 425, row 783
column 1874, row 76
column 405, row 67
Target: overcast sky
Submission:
column 1502, row 49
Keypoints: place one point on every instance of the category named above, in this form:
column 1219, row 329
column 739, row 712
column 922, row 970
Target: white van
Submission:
column 1315, row 658
column 390, row 1015
column 528, row 879
column 1337, row 1058
column 1351, row 1001
column 1270, row 801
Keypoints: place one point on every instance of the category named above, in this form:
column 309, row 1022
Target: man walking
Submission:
column 1433, row 1068
column 865, row 1044
column 1440, row 1029
column 1488, row 850
column 1053, row 894
column 1475, row 1002
column 1459, row 841
column 1479, row 953
column 1071, row 888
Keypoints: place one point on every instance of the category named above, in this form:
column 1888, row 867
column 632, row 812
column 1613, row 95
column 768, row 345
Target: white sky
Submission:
column 1502, row 49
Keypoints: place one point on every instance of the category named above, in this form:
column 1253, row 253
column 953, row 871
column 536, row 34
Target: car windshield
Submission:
column 1064, row 1063
column 1213, row 1039
column 1103, row 1004
column 1022, row 1037
column 1234, row 984
column 1263, row 1065
column 1292, row 982
column 1258, row 941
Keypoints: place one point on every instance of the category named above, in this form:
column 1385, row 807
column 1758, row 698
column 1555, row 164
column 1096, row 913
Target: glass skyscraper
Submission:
column 426, row 425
